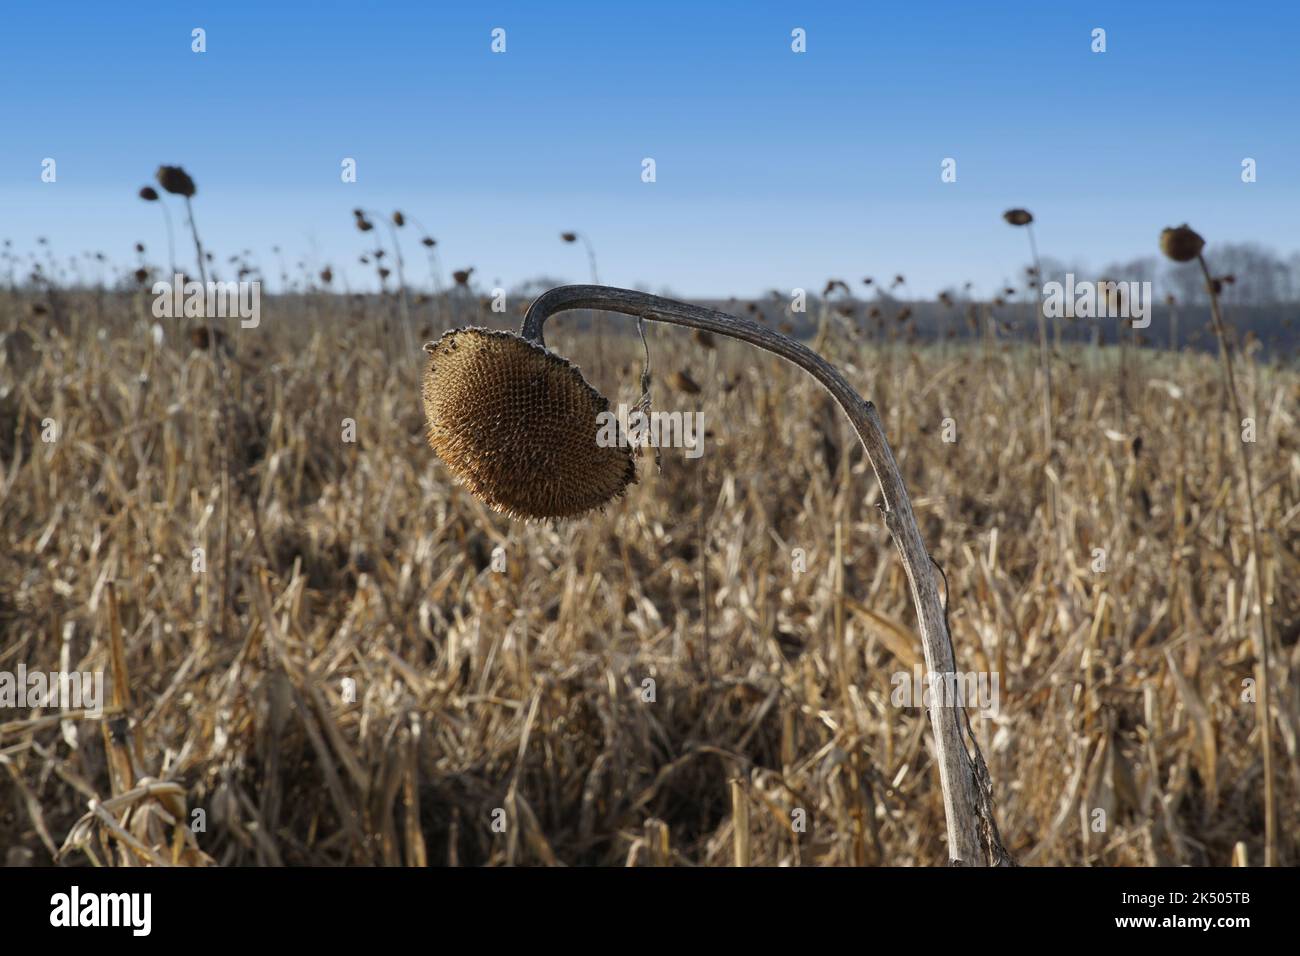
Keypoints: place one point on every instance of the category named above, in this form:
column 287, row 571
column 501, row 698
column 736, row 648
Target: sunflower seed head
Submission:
column 176, row 181
column 1181, row 243
column 518, row 425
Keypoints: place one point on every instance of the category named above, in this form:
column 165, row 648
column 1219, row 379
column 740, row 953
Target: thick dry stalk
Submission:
column 972, row 833
column 1262, row 709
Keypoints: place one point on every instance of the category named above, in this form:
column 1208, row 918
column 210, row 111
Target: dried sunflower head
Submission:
column 1181, row 243
column 518, row 425
column 176, row 180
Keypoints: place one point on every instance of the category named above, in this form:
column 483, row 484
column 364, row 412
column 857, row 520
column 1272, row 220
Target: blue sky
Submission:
column 774, row 169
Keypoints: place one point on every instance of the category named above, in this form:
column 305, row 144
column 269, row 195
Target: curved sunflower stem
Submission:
column 972, row 832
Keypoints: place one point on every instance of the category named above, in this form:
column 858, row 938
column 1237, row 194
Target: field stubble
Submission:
column 500, row 715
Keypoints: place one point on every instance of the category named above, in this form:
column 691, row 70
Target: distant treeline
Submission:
column 1272, row 328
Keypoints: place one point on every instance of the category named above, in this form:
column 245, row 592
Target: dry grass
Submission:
column 521, row 691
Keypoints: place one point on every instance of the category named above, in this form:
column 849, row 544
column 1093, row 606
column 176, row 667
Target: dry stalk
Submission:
column 1022, row 217
column 176, row 181
column 740, row 822
column 1261, row 619
column 972, row 834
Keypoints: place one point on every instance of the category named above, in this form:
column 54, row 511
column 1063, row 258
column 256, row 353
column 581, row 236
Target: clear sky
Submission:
column 774, row 169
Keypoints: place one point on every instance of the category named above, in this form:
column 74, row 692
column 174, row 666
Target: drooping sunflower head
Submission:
column 520, row 427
